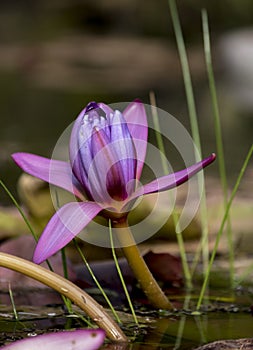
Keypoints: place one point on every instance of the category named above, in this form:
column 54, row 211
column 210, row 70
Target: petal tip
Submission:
column 138, row 100
column 37, row 259
column 210, row 159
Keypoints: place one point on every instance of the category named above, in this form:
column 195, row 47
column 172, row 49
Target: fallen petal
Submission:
column 66, row 223
column 87, row 339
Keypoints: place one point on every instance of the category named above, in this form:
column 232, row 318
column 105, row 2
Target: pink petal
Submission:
column 88, row 339
column 175, row 179
column 135, row 116
column 74, row 147
column 124, row 147
column 105, row 172
column 55, row 172
column 66, row 223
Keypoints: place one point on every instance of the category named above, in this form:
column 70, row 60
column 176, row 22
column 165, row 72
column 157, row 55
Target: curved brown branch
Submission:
column 69, row 290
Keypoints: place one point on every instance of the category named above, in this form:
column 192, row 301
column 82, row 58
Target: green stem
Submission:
column 69, row 290
column 136, row 262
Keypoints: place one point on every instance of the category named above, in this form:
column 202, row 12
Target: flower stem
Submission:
column 136, row 262
column 69, row 290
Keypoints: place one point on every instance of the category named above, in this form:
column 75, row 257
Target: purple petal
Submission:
column 66, row 223
column 135, row 116
column 74, row 146
column 88, row 339
column 80, row 150
column 55, row 172
column 172, row 180
column 124, row 146
column 106, row 176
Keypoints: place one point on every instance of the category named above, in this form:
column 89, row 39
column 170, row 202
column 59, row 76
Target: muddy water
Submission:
column 157, row 330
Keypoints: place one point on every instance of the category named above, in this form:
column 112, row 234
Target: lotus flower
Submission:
column 87, row 339
column 106, row 155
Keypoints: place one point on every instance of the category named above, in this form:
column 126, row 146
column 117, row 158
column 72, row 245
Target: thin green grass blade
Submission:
column 193, row 122
column 67, row 301
column 246, row 273
column 96, row 281
column 218, row 134
column 20, row 210
column 224, row 220
column 120, row 275
column 13, row 304
column 179, row 236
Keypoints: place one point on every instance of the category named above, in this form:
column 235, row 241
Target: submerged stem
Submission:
column 147, row 282
column 69, row 290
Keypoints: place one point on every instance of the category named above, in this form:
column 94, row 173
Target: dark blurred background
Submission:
column 57, row 55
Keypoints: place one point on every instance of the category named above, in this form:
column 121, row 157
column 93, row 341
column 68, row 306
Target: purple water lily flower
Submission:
column 107, row 150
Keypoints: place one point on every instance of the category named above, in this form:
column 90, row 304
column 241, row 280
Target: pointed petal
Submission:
column 106, row 176
column 66, row 223
column 167, row 182
column 124, row 146
column 136, row 118
column 80, row 150
column 74, row 145
column 88, row 339
column 55, row 172
column 74, row 148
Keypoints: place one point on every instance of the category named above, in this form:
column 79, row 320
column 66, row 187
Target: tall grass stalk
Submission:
column 224, row 220
column 13, row 303
column 218, row 134
column 96, row 281
column 66, row 301
column 193, row 122
column 179, row 236
column 120, row 275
